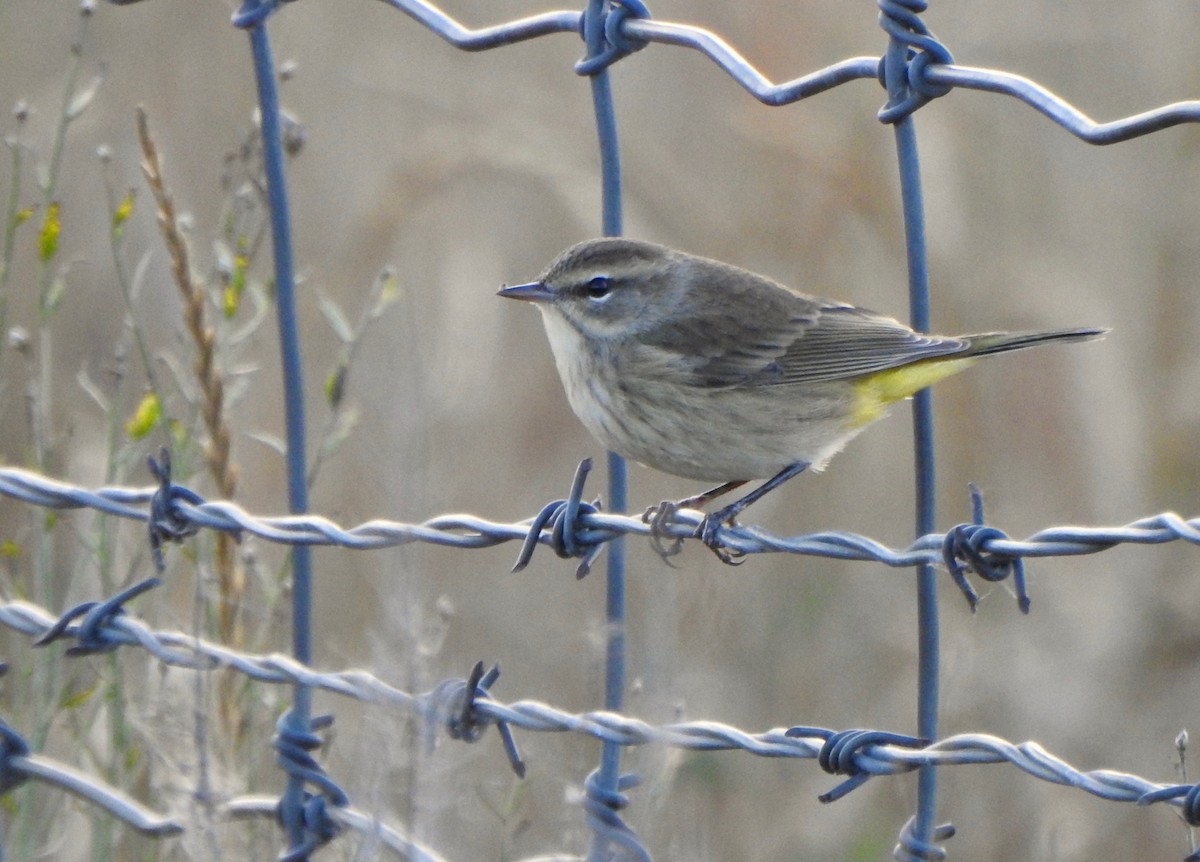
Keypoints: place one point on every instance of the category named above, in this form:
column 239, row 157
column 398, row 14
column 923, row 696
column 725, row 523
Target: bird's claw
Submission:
column 662, row 515
column 659, row 517
column 707, row 533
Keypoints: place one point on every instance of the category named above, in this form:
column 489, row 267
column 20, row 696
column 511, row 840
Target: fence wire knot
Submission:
column 1189, row 809
column 901, row 20
column 95, row 634
column 318, row 824
column 11, row 745
column 292, row 747
column 616, row 42
column 839, row 754
column 966, row 547
column 255, row 12
column 563, row 518
column 601, row 806
column 454, row 705
column 166, row 524
column 909, row 848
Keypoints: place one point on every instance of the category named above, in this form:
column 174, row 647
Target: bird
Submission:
column 708, row 371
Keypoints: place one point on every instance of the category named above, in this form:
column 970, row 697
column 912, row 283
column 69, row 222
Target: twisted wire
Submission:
column 931, row 76
column 901, row 20
column 347, row 817
column 592, row 527
column 855, row 753
column 575, row 530
column 18, row 765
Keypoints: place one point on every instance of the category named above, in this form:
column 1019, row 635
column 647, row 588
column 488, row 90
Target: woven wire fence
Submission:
column 313, row 810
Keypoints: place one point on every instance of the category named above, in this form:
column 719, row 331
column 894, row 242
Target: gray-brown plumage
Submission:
column 708, row 371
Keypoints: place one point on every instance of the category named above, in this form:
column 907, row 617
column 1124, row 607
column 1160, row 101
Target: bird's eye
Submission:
column 599, row 287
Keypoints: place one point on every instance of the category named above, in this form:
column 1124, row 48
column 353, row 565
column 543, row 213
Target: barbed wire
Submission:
column 916, row 69
column 18, row 764
column 391, row 837
column 574, row 529
column 465, row 708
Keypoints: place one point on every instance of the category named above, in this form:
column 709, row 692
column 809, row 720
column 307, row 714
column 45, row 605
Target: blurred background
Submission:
column 465, row 171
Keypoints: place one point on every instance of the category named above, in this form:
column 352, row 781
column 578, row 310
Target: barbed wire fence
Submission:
column 313, row 809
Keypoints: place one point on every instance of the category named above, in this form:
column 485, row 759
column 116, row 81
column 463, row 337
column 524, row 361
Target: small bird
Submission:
column 711, row 372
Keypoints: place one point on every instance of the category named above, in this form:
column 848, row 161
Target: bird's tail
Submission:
column 986, row 343
column 874, row 392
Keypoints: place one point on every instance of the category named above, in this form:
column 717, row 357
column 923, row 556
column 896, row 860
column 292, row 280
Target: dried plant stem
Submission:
column 230, row 574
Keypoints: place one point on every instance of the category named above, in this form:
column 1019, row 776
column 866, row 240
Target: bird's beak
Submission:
column 533, row 292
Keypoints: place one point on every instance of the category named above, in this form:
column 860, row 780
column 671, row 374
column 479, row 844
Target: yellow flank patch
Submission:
column 875, row 392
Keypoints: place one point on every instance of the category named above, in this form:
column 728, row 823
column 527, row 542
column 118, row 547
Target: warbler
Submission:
column 711, row 372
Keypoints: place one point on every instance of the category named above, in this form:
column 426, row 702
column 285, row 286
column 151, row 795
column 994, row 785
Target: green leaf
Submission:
column 78, row 698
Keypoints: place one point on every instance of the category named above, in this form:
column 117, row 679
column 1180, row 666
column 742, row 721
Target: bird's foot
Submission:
column 707, row 533
column 660, row 517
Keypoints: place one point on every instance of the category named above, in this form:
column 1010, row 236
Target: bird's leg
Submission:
column 660, row 513
column 708, row 496
column 707, row 531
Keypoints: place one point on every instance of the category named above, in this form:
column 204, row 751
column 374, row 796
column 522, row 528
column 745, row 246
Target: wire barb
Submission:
column 97, row 632
column 166, row 523
column 293, row 746
column 602, row 809
column 1189, row 808
column 563, row 517
column 973, row 547
column 911, row 849
column 454, row 705
column 840, row 755
column 12, row 745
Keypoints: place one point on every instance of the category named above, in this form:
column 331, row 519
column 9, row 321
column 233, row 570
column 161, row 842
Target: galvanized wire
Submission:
column 18, row 765
column 916, row 69
column 854, row 753
column 603, row 798
column 592, row 528
column 252, row 17
column 933, row 78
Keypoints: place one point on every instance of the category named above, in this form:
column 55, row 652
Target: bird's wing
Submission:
column 845, row 342
column 793, row 339
column 717, row 344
